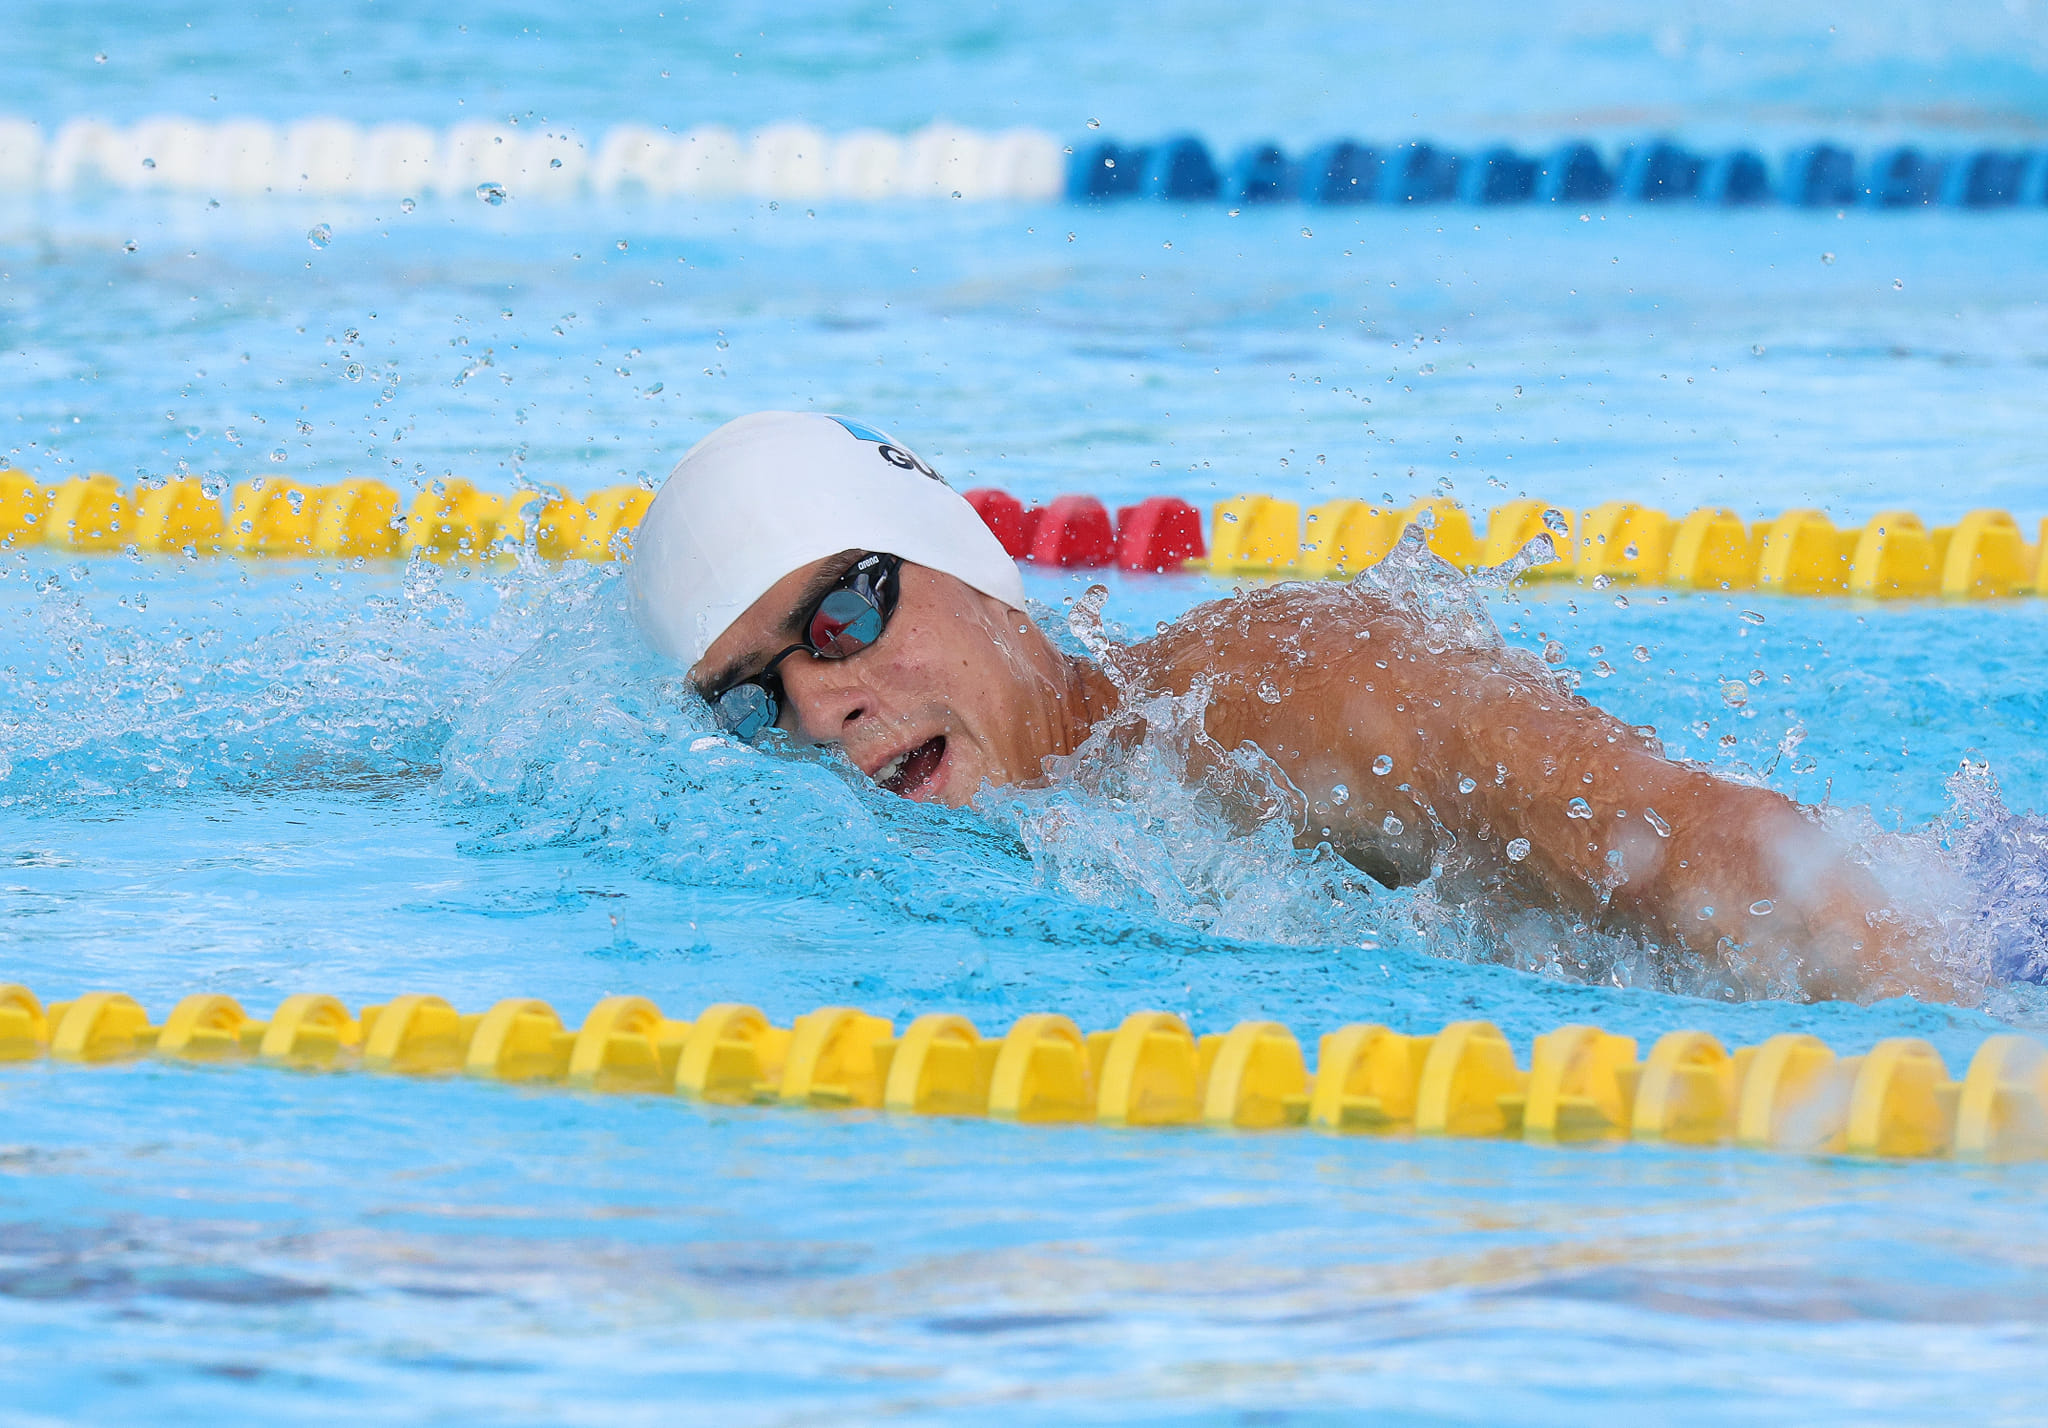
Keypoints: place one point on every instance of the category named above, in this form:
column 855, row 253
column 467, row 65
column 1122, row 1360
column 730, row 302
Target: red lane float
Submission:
column 1159, row 533
column 1074, row 531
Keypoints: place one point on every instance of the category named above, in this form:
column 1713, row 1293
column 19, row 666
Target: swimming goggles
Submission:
column 845, row 620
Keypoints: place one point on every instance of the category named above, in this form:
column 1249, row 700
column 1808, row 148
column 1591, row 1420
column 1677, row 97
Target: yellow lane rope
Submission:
column 1581, row 1084
column 1800, row 552
column 273, row 515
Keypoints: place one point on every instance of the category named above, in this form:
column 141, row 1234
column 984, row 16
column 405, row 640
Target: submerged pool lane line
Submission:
column 1799, row 552
column 1582, row 1084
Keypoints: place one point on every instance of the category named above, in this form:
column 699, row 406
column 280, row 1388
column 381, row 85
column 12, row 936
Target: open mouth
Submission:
column 909, row 772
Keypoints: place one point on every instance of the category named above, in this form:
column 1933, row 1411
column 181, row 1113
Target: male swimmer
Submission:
column 819, row 579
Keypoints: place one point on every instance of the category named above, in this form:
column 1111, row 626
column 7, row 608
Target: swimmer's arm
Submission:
column 1664, row 849
column 1357, row 692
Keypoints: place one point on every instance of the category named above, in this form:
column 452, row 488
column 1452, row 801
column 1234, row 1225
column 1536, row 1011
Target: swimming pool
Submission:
column 270, row 777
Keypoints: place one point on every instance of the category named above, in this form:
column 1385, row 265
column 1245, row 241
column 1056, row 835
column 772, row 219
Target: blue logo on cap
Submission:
column 892, row 453
column 862, row 433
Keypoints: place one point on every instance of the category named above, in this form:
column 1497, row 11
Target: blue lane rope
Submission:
column 1182, row 169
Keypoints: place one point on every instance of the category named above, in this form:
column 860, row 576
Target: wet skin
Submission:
column 1328, row 680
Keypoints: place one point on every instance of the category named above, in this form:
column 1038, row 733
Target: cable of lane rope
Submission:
column 1581, row 1084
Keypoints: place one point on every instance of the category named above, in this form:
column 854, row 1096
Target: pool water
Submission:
column 272, row 777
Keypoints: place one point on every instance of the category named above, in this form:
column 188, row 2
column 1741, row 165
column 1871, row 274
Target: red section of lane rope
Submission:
column 1075, row 531
column 1159, row 533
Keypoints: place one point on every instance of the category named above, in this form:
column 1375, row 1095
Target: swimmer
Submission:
column 818, row 578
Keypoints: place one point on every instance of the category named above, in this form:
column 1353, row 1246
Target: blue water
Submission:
column 268, row 778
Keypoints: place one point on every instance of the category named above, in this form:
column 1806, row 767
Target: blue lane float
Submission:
column 1653, row 170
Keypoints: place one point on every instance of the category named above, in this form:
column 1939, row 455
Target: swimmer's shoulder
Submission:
column 1290, row 621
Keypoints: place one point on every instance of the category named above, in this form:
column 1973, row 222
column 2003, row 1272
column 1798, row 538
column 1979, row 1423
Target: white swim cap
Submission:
column 772, row 492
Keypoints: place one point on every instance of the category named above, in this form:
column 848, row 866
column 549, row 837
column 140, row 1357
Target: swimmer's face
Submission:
column 953, row 694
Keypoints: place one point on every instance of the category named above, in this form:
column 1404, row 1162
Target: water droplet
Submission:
column 100, row 58
column 1757, row 351
column 406, row 205
column 1518, row 849
column 491, row 193
column 1306, row 234
column 1704, row 913
column 1578, row 808
column 1650, row 817
column 1751, row 617
column 1340, row 795
column 353, row 371
column 149, row 163
column 1095, row 123
column 1734, row 693
column 1641, row 654
column 1467, row 784
column 1269, row 691
column 1553, row 653
column 1393, row 826
column 1761, row 907
column 1898, row 284
column 1383, row 765
column 554, row 163
column 1601, row 582
column 1827, row 257
column 319, row 235
column 129, row 246
column 622, row 245
column 1602, row 670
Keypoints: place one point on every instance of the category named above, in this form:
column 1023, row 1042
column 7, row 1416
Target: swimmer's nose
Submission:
column 826, row 698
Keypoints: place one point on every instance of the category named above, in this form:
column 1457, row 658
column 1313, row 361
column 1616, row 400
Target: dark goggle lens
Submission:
column 745, row 711
column 843, row 624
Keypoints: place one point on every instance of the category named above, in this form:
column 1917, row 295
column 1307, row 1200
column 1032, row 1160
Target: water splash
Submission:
column 523, row 695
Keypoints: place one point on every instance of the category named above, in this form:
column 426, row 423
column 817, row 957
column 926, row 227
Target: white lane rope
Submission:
column 335, row 157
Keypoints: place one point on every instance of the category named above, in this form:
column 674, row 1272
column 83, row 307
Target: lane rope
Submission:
column 1986, row 554
column 332, row 156
column 1581, row 1084
column 526, row 163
